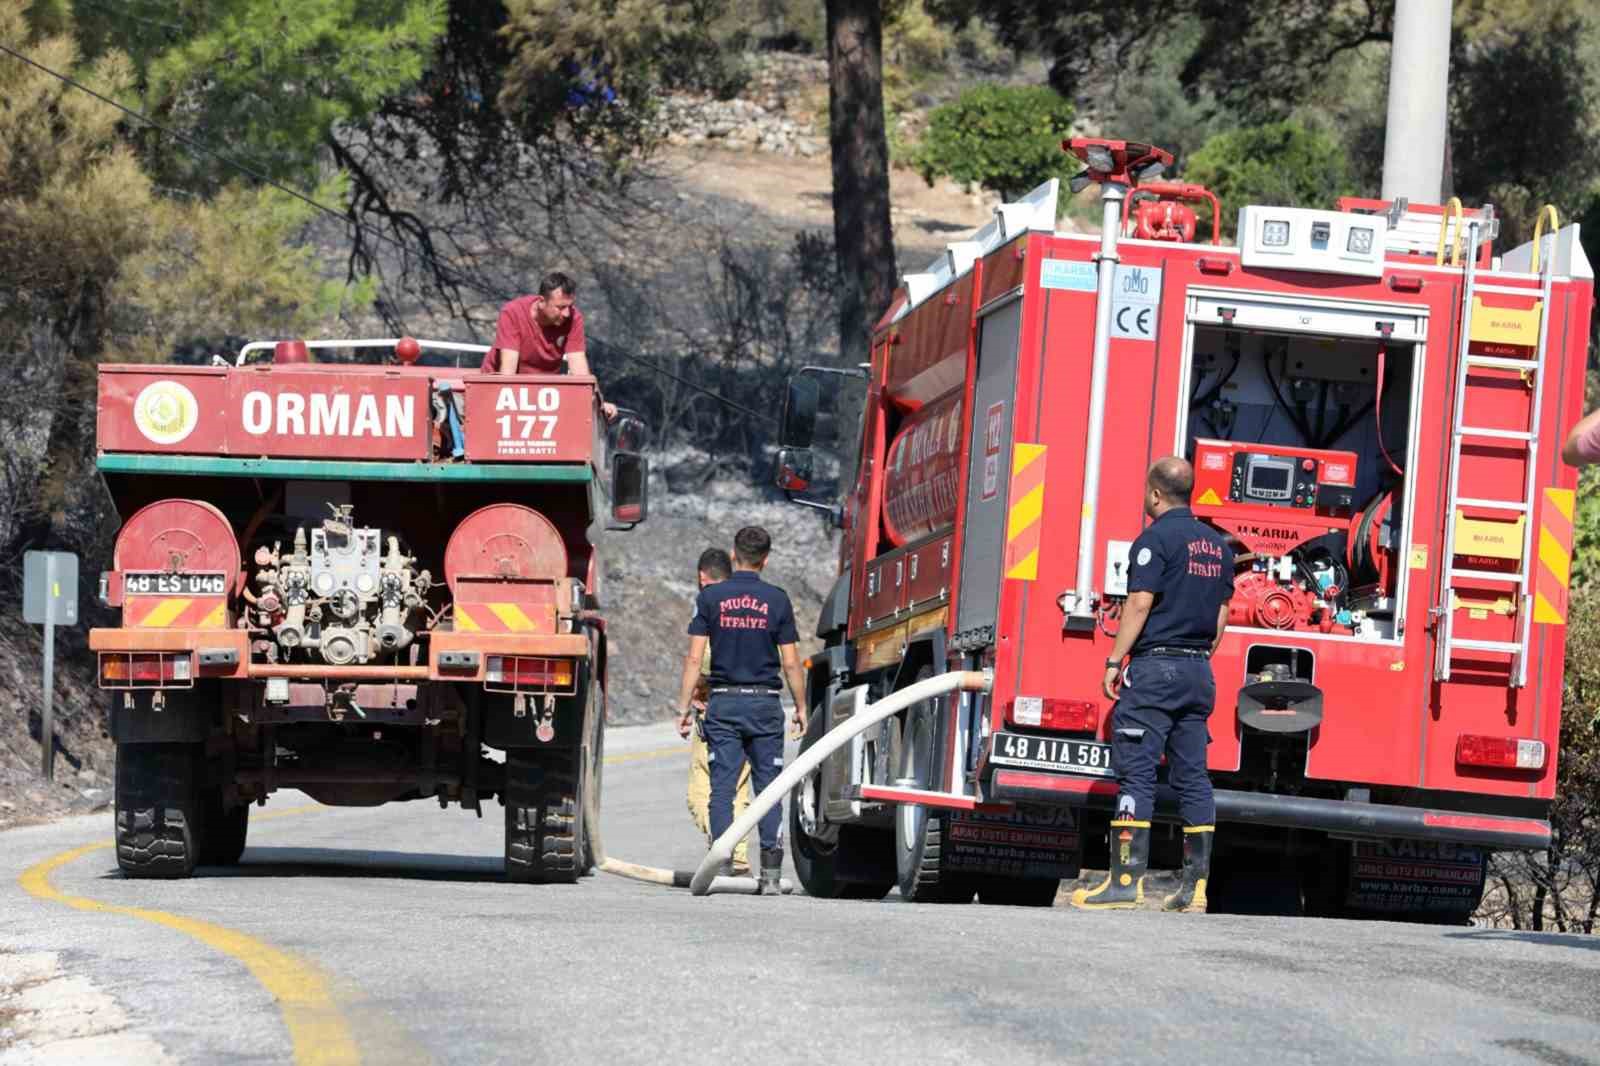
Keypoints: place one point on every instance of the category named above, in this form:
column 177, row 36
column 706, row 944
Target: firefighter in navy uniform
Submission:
column 750, row 626
column 1180, row 578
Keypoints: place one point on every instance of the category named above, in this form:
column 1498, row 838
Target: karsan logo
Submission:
column 291, row 414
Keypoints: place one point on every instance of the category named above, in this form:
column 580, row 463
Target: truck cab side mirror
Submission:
column 630, row 487
column 793, row 469
column 799, row 424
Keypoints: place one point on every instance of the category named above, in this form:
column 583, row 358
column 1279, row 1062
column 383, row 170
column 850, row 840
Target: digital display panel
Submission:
column 1269, row 480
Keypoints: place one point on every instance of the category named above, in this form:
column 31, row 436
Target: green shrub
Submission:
column 1283, row 163
column 1004, row 138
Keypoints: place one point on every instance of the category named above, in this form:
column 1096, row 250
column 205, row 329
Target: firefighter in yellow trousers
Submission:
column 715, row 565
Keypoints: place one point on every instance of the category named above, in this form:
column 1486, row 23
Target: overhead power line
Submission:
column 440, row 268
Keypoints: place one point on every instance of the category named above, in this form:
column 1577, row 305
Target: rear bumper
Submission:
column 1288, row 812
column 550, row 645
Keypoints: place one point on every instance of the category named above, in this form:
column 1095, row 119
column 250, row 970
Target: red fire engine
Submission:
column 350, row 579
column 1369, row 396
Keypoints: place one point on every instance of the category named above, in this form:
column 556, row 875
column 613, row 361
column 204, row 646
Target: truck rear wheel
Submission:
column 922, row 856
column 837, row 862
column 544, row 816
column 224, row 829
column 158, row 815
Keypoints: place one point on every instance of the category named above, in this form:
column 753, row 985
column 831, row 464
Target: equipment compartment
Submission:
column 1300, row 444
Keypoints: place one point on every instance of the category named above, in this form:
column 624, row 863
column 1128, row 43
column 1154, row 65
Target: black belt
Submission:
column 734, row 690
column 1170, row 651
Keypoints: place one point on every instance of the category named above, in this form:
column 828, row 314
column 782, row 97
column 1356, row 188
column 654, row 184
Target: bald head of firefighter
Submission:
column 1180, row 578
column 749, row 625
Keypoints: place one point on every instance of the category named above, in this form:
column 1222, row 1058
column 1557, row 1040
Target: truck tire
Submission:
column 922, row 858
column 846, row 862
column 158, row 813
column 1018, row 891
column 224, row 829
column 544, row 816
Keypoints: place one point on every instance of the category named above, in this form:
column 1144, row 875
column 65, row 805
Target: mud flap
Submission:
column 1415, row 876
column 185, row 718
column 1033, row 842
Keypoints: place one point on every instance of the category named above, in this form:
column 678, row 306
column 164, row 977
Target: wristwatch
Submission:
column 1113, row 664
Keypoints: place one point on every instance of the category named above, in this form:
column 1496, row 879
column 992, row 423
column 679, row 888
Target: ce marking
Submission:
column 1141, row 320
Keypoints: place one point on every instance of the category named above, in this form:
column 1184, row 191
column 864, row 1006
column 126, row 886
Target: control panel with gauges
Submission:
column 1235, row 476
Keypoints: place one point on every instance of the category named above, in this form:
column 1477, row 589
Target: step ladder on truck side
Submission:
column 1517, row 577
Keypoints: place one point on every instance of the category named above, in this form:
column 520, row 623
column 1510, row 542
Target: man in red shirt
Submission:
column 536, row 333
column 1583, row 443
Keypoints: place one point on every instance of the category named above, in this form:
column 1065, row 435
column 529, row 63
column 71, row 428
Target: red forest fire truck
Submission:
column 1370, row 397
column 349, row 580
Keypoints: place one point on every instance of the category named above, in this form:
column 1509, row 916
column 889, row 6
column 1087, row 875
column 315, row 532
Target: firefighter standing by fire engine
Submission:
column 715, row 565
column 750, row 626
column 1180, row 578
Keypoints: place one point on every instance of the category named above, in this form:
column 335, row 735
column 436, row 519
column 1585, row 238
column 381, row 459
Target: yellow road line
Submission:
column 654, row 753
column 318, row 1032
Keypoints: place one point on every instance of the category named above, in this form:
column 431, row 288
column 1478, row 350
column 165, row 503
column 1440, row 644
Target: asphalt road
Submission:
column 387, row 935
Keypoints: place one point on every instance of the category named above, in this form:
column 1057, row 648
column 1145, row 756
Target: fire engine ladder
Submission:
column 1449, row 645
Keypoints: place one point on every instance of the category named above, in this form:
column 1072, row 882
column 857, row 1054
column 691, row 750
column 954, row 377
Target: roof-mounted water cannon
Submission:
column 1164, row 216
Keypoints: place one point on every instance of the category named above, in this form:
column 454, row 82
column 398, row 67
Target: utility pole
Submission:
column 1419, row 78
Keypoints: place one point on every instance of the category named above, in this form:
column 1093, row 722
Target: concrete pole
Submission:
column 1419, row 75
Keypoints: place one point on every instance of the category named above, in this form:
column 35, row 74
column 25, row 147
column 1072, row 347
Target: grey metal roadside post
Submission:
column 49, row 598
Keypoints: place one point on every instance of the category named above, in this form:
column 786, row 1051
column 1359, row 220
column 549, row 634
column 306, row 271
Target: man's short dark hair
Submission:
column 1173, row 478
column 751, row 544
column 556, row 281
column 714, row 562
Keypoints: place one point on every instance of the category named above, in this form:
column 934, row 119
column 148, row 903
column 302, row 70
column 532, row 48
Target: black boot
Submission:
column 771, row 872
column 1124, row 884
column 1191, row 895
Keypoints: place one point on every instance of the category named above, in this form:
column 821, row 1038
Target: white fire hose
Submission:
column 656, row 875
column 705, row 878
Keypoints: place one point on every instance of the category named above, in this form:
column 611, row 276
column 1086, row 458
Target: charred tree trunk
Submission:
column 862, row 234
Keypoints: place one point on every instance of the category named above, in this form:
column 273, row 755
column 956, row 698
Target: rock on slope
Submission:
column 84, row 764
column 648, row 580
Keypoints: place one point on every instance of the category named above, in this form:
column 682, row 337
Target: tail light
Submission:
column 145, row 669
column 517, row 673
column 1506, row 753
column 1065, row 716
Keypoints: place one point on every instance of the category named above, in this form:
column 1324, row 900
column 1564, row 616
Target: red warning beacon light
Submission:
column 1121, row 162
column 407, row 350
column 290, row 353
